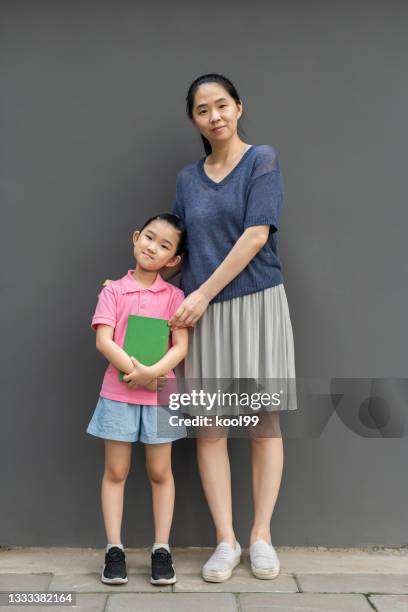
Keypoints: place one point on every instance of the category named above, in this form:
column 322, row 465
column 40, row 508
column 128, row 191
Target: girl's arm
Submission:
column 112, row 351
column 246, row 247
column 176, row 353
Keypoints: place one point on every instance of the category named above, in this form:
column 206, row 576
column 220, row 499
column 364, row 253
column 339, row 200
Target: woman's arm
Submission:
column 246, row 247
column 112, row 351
column 174, row 355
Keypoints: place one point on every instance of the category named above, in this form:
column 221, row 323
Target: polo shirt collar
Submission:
column 130, row 285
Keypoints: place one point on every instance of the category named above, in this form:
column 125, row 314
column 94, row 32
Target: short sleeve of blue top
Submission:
column 216, row 215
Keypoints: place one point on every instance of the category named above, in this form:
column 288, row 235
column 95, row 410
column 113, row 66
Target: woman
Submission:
column 235, row 305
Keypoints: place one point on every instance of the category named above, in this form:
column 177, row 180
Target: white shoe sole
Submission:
column 160, row 581
column 112, row 580
column 265, row 574
column 213, row 576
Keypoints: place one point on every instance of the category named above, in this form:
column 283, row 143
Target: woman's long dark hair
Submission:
column 209, row 78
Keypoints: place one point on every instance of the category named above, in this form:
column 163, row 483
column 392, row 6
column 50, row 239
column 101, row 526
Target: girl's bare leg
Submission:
column 267, row 466
column 117, row 465
column 158, row 466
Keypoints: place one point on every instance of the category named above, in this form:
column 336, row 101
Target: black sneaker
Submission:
column 162, row 567
column 114, row 570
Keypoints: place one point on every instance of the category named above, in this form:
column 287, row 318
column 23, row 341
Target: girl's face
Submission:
column 215, row 112
column 156, row 245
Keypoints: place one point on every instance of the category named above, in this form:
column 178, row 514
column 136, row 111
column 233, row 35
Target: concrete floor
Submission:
column 311, row 579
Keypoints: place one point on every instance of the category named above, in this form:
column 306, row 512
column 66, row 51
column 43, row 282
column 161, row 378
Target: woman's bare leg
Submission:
column 214, row 466
column 117, row 465
column 158, row 466
column 267, row 466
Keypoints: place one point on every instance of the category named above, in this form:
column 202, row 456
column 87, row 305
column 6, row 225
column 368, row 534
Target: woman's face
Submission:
column 215, row 112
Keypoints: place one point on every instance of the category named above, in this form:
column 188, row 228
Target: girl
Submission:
column 127, row 410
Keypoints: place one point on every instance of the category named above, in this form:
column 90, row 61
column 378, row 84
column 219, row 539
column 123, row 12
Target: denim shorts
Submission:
column 124, row 422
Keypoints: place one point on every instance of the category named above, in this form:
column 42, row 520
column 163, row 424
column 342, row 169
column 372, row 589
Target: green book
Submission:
column 146, row 339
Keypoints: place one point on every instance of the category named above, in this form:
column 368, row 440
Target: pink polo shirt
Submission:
column 120, row 299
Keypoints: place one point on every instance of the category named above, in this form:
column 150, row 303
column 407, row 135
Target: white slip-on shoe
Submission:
column 221, row 563
column 264, row 560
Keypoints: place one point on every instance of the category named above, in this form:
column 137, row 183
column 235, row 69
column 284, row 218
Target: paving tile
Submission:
column 240, row 582
column 354, row 583
column 190, row 560
column 60, row 561
column 175, row 602
column 55, row 560
column 87, row 602
column 390, row 603
column 24, row 582
column 302, row 602
column 309, row 560
column 91, row 583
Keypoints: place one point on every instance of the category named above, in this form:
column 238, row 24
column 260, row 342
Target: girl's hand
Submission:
column 141, row 375
column 152, row 385
column 106, row 282
column 157, row 384
column 190, row 310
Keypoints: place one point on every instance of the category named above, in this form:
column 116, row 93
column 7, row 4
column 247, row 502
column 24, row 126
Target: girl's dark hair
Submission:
column 177, row 223
column 209, row 78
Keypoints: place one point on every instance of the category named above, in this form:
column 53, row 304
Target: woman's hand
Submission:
column 190, row 310
column 141, row 375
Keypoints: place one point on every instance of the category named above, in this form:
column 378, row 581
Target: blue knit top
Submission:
column 216, row 214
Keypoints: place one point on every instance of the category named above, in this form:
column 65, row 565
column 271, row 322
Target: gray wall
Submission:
column 93, row 133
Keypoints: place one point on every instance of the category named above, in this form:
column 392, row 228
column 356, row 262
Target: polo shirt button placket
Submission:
column 142, row 304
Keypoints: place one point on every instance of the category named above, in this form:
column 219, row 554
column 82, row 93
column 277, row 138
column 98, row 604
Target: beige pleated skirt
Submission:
column 248, row 338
